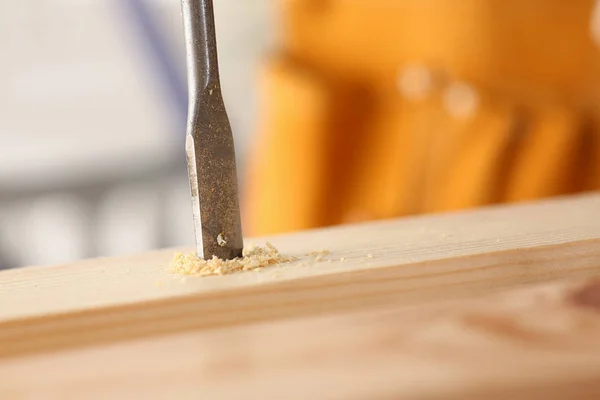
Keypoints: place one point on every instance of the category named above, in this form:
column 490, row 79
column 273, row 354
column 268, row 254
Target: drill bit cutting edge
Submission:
column 209, row 141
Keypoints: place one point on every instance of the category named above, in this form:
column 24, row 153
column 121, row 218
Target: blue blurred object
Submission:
column 174, row 83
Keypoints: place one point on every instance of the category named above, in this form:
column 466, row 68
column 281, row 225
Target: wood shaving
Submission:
column 319, row 253
column 254, row 259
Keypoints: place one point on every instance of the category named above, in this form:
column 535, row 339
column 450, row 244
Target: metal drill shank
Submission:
column 209, row 141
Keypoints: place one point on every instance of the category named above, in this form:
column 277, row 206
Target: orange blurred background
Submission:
column 385, row 108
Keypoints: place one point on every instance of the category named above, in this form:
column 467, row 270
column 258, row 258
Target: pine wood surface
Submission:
column 536, row 342
column 414, row 261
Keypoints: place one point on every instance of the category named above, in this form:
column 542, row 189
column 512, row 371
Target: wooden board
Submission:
column 415, row 260
column 537, row 343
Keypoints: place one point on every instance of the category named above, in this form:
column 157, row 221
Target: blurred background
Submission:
column 341, row 111
column 93, row 104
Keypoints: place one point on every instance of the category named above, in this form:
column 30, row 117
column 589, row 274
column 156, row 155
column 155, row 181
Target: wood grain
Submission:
column 539, row 342
column 415, row 260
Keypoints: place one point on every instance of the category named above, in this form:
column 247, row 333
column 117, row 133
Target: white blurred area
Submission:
column 91, row 138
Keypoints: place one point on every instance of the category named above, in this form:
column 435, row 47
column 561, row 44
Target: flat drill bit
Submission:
column 209, row 141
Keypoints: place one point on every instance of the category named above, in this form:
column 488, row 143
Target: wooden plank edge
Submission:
column 90, row 284
column 430, row 281
column 538, row 342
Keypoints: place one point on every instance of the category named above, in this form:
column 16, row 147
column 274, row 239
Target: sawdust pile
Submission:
column 254, row 259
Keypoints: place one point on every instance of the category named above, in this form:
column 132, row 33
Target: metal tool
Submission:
column 209, row 141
